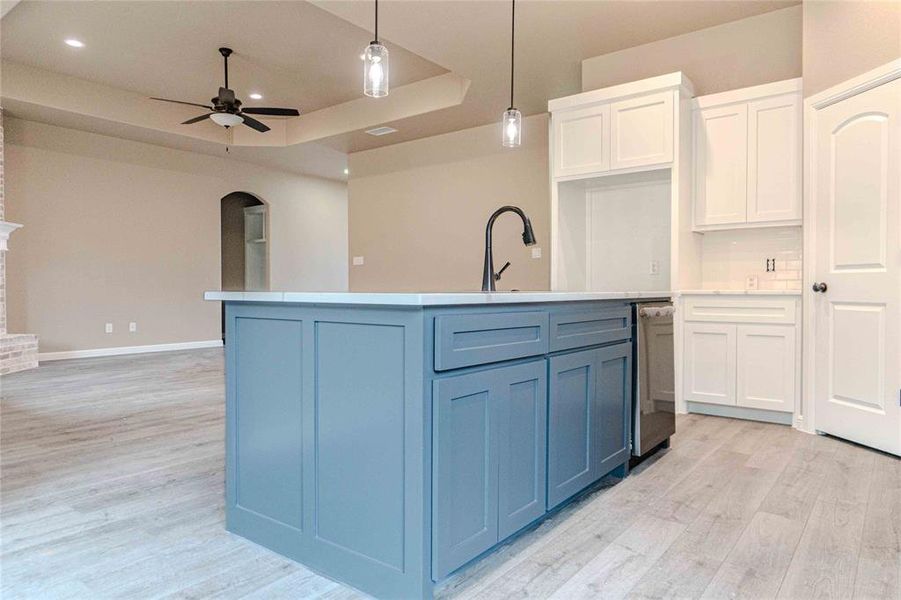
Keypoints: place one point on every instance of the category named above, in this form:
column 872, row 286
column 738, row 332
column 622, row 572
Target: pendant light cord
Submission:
column 512, row 47
column 376, row 20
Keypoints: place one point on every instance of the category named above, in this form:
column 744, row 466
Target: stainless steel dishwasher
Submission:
column 654, row 402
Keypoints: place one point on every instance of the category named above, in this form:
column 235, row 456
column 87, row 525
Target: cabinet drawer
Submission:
column 740, row 310
column 589, row 328
column 477, row 339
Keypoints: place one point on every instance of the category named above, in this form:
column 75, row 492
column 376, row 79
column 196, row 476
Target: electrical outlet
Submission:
column 751, row 282
column 536, row 252
column 132, row 327
column 108, row 328
column 654, row 268
column 358, row 260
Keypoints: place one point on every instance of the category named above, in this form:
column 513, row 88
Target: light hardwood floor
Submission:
column 112, row 487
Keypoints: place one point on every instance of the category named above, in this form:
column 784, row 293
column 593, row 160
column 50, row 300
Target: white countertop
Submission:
column 430, row 299
column 740, row 292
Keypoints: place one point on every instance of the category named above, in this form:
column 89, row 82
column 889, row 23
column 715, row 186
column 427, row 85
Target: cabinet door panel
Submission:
column 572, row 417
column 641, row 131
column 582, row 141
column 766, row 367
column 709, row 355
column 774, row 159
column 614, row 387
column 721, row 165
column 522, row 489
column 465, row 465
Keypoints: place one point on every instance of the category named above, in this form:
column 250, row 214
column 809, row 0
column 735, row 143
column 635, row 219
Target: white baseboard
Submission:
column 118, row 350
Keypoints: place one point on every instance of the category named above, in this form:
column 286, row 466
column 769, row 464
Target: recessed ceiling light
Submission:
column 256, row 96
column 346, row 171
column 381, row 131
column 75, row 43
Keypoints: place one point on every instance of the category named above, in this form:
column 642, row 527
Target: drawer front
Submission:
column 478, row 339
column 714, row 309
column 589, row 328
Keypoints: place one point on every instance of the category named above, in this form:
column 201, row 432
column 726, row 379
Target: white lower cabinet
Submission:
column 765, row 367
column 710, row 363
column 741, row 352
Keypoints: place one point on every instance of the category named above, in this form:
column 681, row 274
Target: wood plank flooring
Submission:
column 111, row 486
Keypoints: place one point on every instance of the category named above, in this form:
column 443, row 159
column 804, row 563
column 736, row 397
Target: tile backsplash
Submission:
column 729, row 258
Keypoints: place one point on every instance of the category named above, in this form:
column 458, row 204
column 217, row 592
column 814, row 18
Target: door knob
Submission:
column 819, row 287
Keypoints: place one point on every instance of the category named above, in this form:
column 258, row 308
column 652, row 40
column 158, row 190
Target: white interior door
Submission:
column 856, row 176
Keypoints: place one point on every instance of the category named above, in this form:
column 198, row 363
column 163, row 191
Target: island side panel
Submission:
column 348, row 381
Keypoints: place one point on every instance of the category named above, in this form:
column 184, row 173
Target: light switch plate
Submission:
column 358, row 260
column 132, row 327
column 536, row 252
column 108, row 328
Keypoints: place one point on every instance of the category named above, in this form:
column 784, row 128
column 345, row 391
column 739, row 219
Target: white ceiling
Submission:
column 472, row 39
column 294, row 53
column 306, row 55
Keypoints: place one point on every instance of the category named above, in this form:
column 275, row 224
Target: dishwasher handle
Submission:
column 656, row 312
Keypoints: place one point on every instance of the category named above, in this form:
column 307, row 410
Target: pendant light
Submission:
column 375, row 64
column 512, row 122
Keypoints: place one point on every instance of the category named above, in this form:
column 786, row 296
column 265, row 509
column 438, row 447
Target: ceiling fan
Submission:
column 226, row 109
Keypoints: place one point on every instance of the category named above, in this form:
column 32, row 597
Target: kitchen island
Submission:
column 385, row 440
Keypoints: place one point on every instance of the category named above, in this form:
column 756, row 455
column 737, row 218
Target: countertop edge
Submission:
column 427, row 299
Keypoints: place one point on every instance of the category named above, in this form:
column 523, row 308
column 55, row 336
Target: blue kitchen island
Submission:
column 386, row 440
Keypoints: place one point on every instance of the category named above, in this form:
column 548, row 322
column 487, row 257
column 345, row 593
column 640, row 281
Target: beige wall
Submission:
column 748, row 52
column 845, row 38
column 119, row 231
column 417, row 210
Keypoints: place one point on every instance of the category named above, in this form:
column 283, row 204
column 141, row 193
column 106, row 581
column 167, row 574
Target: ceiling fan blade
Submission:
column 254, row 124
column 186, row 103
column 226, row 96
column 275, row 112
column 197, row 119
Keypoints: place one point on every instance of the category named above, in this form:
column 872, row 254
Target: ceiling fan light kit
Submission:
column 225, row 109
column 375, row 64
column 226, row 119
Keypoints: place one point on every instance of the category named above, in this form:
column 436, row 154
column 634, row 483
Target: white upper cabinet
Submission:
column 774, row 159
column 721, row 158
column 747, row 157
column 582, row 141
column 641, row 131
column 623, row 128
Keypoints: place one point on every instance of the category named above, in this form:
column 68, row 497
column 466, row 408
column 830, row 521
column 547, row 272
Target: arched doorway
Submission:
column 244, row 243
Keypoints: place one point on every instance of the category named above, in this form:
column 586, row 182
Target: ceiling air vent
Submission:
column 381, row 131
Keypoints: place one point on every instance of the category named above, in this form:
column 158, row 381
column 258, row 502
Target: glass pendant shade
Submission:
column 375, row 70
column 512, row 134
